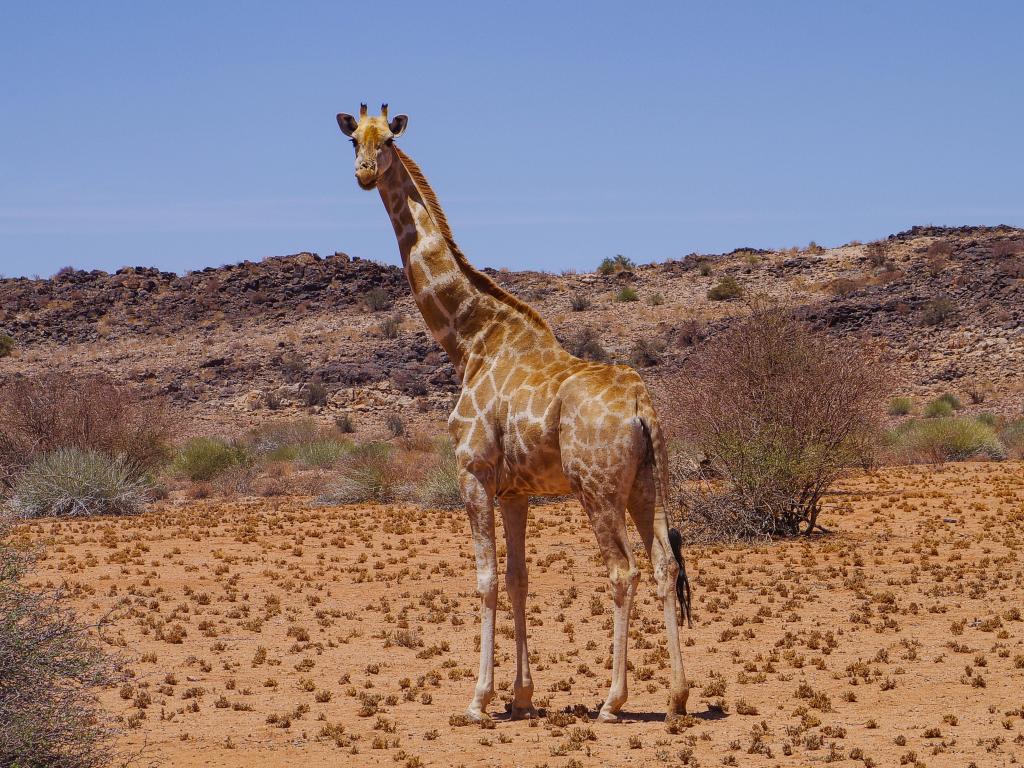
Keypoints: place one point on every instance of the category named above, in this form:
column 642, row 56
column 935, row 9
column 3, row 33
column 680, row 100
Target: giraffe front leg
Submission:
column 513, row 513
column 478, row 492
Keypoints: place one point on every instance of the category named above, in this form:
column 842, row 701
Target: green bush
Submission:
column 938, row 409
column 1012, row 436
column 627, row 293
column 6, row 345
column 580, row 302
column 953, row 401
column 441, row 485
column 49, row 673
column 322, row 453
column 620, row 263
column 656, row 300
column 946, row 439
column 727, row 288
column 70, row 482
column 900, row 406
column 377, row 300
column 988, row 419
column 367, row 474
column 205, row 458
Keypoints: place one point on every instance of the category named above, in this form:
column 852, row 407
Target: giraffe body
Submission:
column 531, row 420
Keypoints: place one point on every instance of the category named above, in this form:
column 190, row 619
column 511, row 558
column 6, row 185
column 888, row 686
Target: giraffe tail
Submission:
column 659, row 453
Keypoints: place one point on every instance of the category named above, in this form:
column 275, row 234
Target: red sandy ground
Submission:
column 901, row 632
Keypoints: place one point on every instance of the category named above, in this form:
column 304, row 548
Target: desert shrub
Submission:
column 938, row 409
column 647, row 352
column 293, row 366
column 389, row 326
column 377, row 300
column 988, row 419
column 368, row 473
column 937, row 311
column 43, row 413
column 1012, row 438
column 314, row 392
column 655, row 299
column 876, row 253
column 204, row 458
column 587, row 345
column 70, row 482
column 844, row 286
column 900, row 406
column 344, row 424
column 394, row 424
column 691, row 332
column 6, row 345
column 726, row 288
column 49, row 671
column 279, row 441
column 705, row 269
column 943, row 406
column 627, row 293
column 946, row 439
column 440, row 486
column 620, row 263
column 776, row 411
column 322, row 453
column 580, row 302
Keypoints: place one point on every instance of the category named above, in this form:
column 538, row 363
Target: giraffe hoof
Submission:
column 607, row 716
column 529, row 712
column 475, row 715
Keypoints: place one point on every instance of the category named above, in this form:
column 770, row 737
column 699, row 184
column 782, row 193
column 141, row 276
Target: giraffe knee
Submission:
column 486, row 583
column 666, row 569
column 623, row 582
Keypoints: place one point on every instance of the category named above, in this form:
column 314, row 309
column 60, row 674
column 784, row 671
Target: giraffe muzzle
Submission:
column 367, row 177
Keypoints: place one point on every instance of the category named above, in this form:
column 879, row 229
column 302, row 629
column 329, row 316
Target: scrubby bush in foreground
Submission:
column 772, row 412
column 74, row 483
column 366, row 475
column 440, row 486
column 43, row 413
column 49, row 668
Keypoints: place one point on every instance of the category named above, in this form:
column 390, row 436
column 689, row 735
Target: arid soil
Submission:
column 273, row 632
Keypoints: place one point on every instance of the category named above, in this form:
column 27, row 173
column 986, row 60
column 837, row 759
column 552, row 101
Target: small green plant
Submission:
column 205, row 458
column 6, row 345
column 900, row 406
column 441, row 485
column 1012, row 436
column 366, row 474
column 938, row 409
column 395, row 425
column 377, row 300
column 647, row 352
column 937, row 311
column 620, row 263
column 946, row 439
column 322, row 453
column 988, row 419
column 588, row 346
column 727, row 288
column 580, row 302
column 627, row 293
column 655, row 299
column 344, row 424
column 389, row 327
column 953, row 400
column 314, row 392
column 705, row 270
column 70, row 482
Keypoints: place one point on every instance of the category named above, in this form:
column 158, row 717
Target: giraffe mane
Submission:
column 479, row 280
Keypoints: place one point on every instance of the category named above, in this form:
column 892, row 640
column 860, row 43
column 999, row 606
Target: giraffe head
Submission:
column 372, row 137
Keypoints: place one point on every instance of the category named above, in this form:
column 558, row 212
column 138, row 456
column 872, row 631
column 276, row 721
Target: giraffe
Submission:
column 530, row 419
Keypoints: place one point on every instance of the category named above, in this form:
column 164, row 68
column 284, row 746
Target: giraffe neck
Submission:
column 457, row 302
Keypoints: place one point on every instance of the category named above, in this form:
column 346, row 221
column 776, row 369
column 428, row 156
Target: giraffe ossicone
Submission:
column 530, row 420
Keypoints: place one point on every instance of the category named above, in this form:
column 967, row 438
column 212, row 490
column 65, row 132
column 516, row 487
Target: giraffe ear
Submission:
column 347, row 123
column 398, row 124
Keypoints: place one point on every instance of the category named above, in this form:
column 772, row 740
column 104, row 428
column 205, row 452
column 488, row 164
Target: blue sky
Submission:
column 190, row 134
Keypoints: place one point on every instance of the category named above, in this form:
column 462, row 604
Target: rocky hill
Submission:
column 239, row 344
